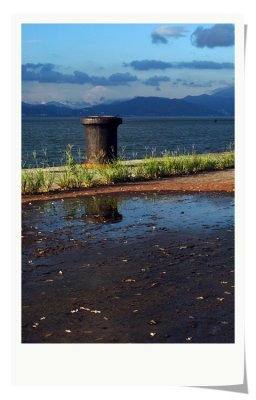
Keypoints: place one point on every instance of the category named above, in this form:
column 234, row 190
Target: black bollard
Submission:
column 101, row 138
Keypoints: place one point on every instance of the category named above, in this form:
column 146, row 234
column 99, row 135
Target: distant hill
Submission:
column 228, row 92
column 48, row 110
column 219, row 104
column 222, row 101
column 153, row 106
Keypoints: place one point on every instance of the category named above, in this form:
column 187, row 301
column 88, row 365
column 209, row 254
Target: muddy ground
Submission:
column 172, row 285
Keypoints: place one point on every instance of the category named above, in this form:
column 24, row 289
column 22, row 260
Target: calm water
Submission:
column 136, row 137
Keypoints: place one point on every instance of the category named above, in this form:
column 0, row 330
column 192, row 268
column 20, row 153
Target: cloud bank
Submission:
column 145, row 65
column 220, row 35
column 156, row 80
column 46, row 73
column 205, row 65
column 191, row 84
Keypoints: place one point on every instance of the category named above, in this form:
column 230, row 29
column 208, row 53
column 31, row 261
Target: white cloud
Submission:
column 171, row 31
column 160, row 34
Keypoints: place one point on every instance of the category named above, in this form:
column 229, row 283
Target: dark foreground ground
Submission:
column 167, row 286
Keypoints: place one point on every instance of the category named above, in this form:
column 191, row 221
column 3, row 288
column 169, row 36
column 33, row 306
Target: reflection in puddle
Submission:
column 102, row 211
column 115, row 217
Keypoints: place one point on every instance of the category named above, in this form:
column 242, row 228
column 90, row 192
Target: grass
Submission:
column 75, row 175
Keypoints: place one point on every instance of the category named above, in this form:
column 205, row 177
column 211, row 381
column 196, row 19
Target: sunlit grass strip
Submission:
column 78, row 176
column 184, row 164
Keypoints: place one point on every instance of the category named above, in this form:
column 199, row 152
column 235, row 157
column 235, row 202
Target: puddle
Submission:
column 114, row 217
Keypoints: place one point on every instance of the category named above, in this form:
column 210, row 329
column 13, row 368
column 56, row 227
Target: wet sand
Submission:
column 170, row 285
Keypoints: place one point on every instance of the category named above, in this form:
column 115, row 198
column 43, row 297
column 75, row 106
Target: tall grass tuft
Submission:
column 75, row 175
column 33, row 181
column 113, row 172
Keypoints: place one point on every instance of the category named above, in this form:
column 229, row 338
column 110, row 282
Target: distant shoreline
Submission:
column 146, row 117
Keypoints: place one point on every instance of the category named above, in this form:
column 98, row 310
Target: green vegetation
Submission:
column 73, row 175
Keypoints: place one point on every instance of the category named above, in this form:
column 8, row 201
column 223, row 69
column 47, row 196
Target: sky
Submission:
column 99, row 63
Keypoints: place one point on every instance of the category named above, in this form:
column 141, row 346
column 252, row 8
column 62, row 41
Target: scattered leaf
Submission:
column 152, row 333
column 220, row 298
column 68, row 330
column 152, row 322
column 200, row 298
column 85, row 308
column 60, row 273
column 189, row 338
column 42, row 318
column 35, row 324
column 129, row 280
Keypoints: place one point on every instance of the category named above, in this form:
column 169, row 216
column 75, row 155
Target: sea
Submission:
column 44, row 140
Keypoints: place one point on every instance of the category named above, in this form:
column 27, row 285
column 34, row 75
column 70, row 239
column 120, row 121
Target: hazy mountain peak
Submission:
column 221, row 103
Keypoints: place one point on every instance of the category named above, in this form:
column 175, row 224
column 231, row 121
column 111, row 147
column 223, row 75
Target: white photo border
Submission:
column 128, row 364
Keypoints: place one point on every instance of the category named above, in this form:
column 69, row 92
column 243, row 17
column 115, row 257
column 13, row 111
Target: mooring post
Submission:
column 101, row 138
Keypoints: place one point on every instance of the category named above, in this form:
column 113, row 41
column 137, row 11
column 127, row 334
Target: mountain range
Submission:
column 218, row 104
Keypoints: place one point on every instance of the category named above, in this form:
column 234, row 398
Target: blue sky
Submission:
column 94, row 63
